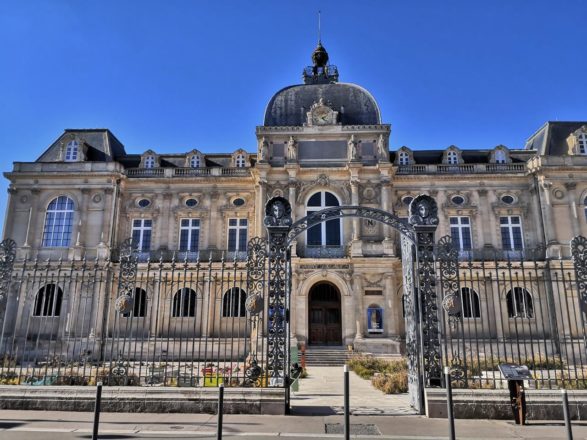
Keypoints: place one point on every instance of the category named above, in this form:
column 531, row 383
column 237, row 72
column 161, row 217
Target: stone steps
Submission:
column 326, row 356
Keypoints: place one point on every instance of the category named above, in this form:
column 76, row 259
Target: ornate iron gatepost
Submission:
column 7, row 256
column 579, row 255
column 424, row 219
column 278, row 221
column 415, row 384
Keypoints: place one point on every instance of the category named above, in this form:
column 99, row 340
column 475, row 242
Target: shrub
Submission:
column 391, row 383
column 367, row 366
column 9, row 378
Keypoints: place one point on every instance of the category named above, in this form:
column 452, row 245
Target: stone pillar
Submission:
column 262, row 194
column 391, row 320
column 544, row 194
column 356, row 246
column 34, row 230
column 8, row 223
column 358, row 306
column 573, row 212
column 484, row 216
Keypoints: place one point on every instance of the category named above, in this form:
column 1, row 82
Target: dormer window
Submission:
column 195, row 161
column 582, row 143
column 240, row 161
column 72, row 152
column 500, row 156
column 452, row 158
column 150, row 162
column 404, row 158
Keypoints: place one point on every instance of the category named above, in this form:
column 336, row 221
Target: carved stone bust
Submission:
column 423, row 211
column 277, row 212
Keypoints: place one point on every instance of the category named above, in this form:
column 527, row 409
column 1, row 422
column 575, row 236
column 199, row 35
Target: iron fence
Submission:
column 513, row 308
column 127, row 322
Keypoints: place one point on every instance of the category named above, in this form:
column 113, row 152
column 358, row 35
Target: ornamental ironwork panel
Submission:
column 447, row 257
column 278, row 221
column 424, row 218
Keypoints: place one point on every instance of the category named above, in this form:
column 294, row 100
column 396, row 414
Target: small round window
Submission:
column 143, row 203
column 407, row 200
column 458, row 200
column 238, row 202
column 190, row 203
column 507, row 199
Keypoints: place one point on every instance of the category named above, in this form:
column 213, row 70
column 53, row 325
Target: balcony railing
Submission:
column 478, row 168
column 188, row 172
column 322, row 252
column 167, row 255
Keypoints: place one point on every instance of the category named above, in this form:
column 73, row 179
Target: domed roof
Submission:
column 354, row 104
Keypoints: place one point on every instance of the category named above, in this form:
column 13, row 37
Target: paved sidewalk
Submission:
column 322, row 392
column 46, row 425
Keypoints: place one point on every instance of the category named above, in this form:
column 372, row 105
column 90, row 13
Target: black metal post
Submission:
column 347, row 409
column 97, row 411
column 567, row 414
column 449, row 404
column 220, row 411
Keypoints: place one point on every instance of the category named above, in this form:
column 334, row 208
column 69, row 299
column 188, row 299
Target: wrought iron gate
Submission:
column 422, row 335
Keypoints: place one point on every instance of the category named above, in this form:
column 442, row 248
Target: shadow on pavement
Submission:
column 313, row 411
column 9, row 425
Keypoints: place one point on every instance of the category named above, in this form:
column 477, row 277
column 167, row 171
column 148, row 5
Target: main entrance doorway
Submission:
column 324, row 319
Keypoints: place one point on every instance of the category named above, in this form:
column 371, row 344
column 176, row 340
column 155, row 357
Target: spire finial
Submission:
column 319, row 28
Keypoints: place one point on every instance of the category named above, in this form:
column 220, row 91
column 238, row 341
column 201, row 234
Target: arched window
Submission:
column 58, row 223
column 500, row 156
column 519, row 303
column 470, row 303
column 184, row 303
column 48, row 301
column 139, row 306
column 71, row 151
column 233, row 303
column 404, row 158
column 240, row 160
column 195, row 161
column 150, row 162
column 452, row 158
column 328, row 233
column 585, row 209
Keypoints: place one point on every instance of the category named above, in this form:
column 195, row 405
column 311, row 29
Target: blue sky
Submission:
column 175, row 75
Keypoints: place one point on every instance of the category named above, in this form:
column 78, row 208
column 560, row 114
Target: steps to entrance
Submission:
column 326, row 356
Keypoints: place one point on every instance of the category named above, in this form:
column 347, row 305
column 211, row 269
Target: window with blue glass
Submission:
column 58, row 223
column 511, row 232
column 460, row 232
column 141, row 233
column 72, row 151
column 327, row 233
column 189, row 234
column 237, row 234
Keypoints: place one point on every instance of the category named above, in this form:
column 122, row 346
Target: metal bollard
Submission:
column 97, row 410
column 449, row 404
column 220, row 411
column 347, row 406
column 567, row 414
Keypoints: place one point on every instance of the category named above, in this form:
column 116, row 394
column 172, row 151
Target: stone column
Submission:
column 262, row 194
column 34, row 230
column 573, row 212
column 391, row 321
column 8, row 224
column 484, row 215
column 544, row 194
column 358, row 307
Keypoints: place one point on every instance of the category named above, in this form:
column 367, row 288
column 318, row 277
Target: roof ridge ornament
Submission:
column 320, row 72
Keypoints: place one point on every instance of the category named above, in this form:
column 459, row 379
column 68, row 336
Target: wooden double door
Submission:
column 324, row 317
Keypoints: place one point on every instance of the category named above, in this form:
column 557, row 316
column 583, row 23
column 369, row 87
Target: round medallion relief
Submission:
column 97, row 198
column 24, row 199
column 558, row 194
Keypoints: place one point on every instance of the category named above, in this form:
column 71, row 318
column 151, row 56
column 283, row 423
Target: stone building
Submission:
column 321, row 144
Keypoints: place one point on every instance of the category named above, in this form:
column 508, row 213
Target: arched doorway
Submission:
column 325, row 327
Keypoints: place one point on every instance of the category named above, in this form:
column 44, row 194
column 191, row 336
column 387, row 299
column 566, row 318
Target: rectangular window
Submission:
column 237, row 234
column 460, row 232
column 511, row 232
column 583, row 144
column 189, row 234
column 141, row 233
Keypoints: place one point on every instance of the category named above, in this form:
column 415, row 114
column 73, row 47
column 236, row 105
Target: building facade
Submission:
column 322, row 144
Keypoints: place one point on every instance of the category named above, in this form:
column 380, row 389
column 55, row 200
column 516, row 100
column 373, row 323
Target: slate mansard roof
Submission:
column 356, row 106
